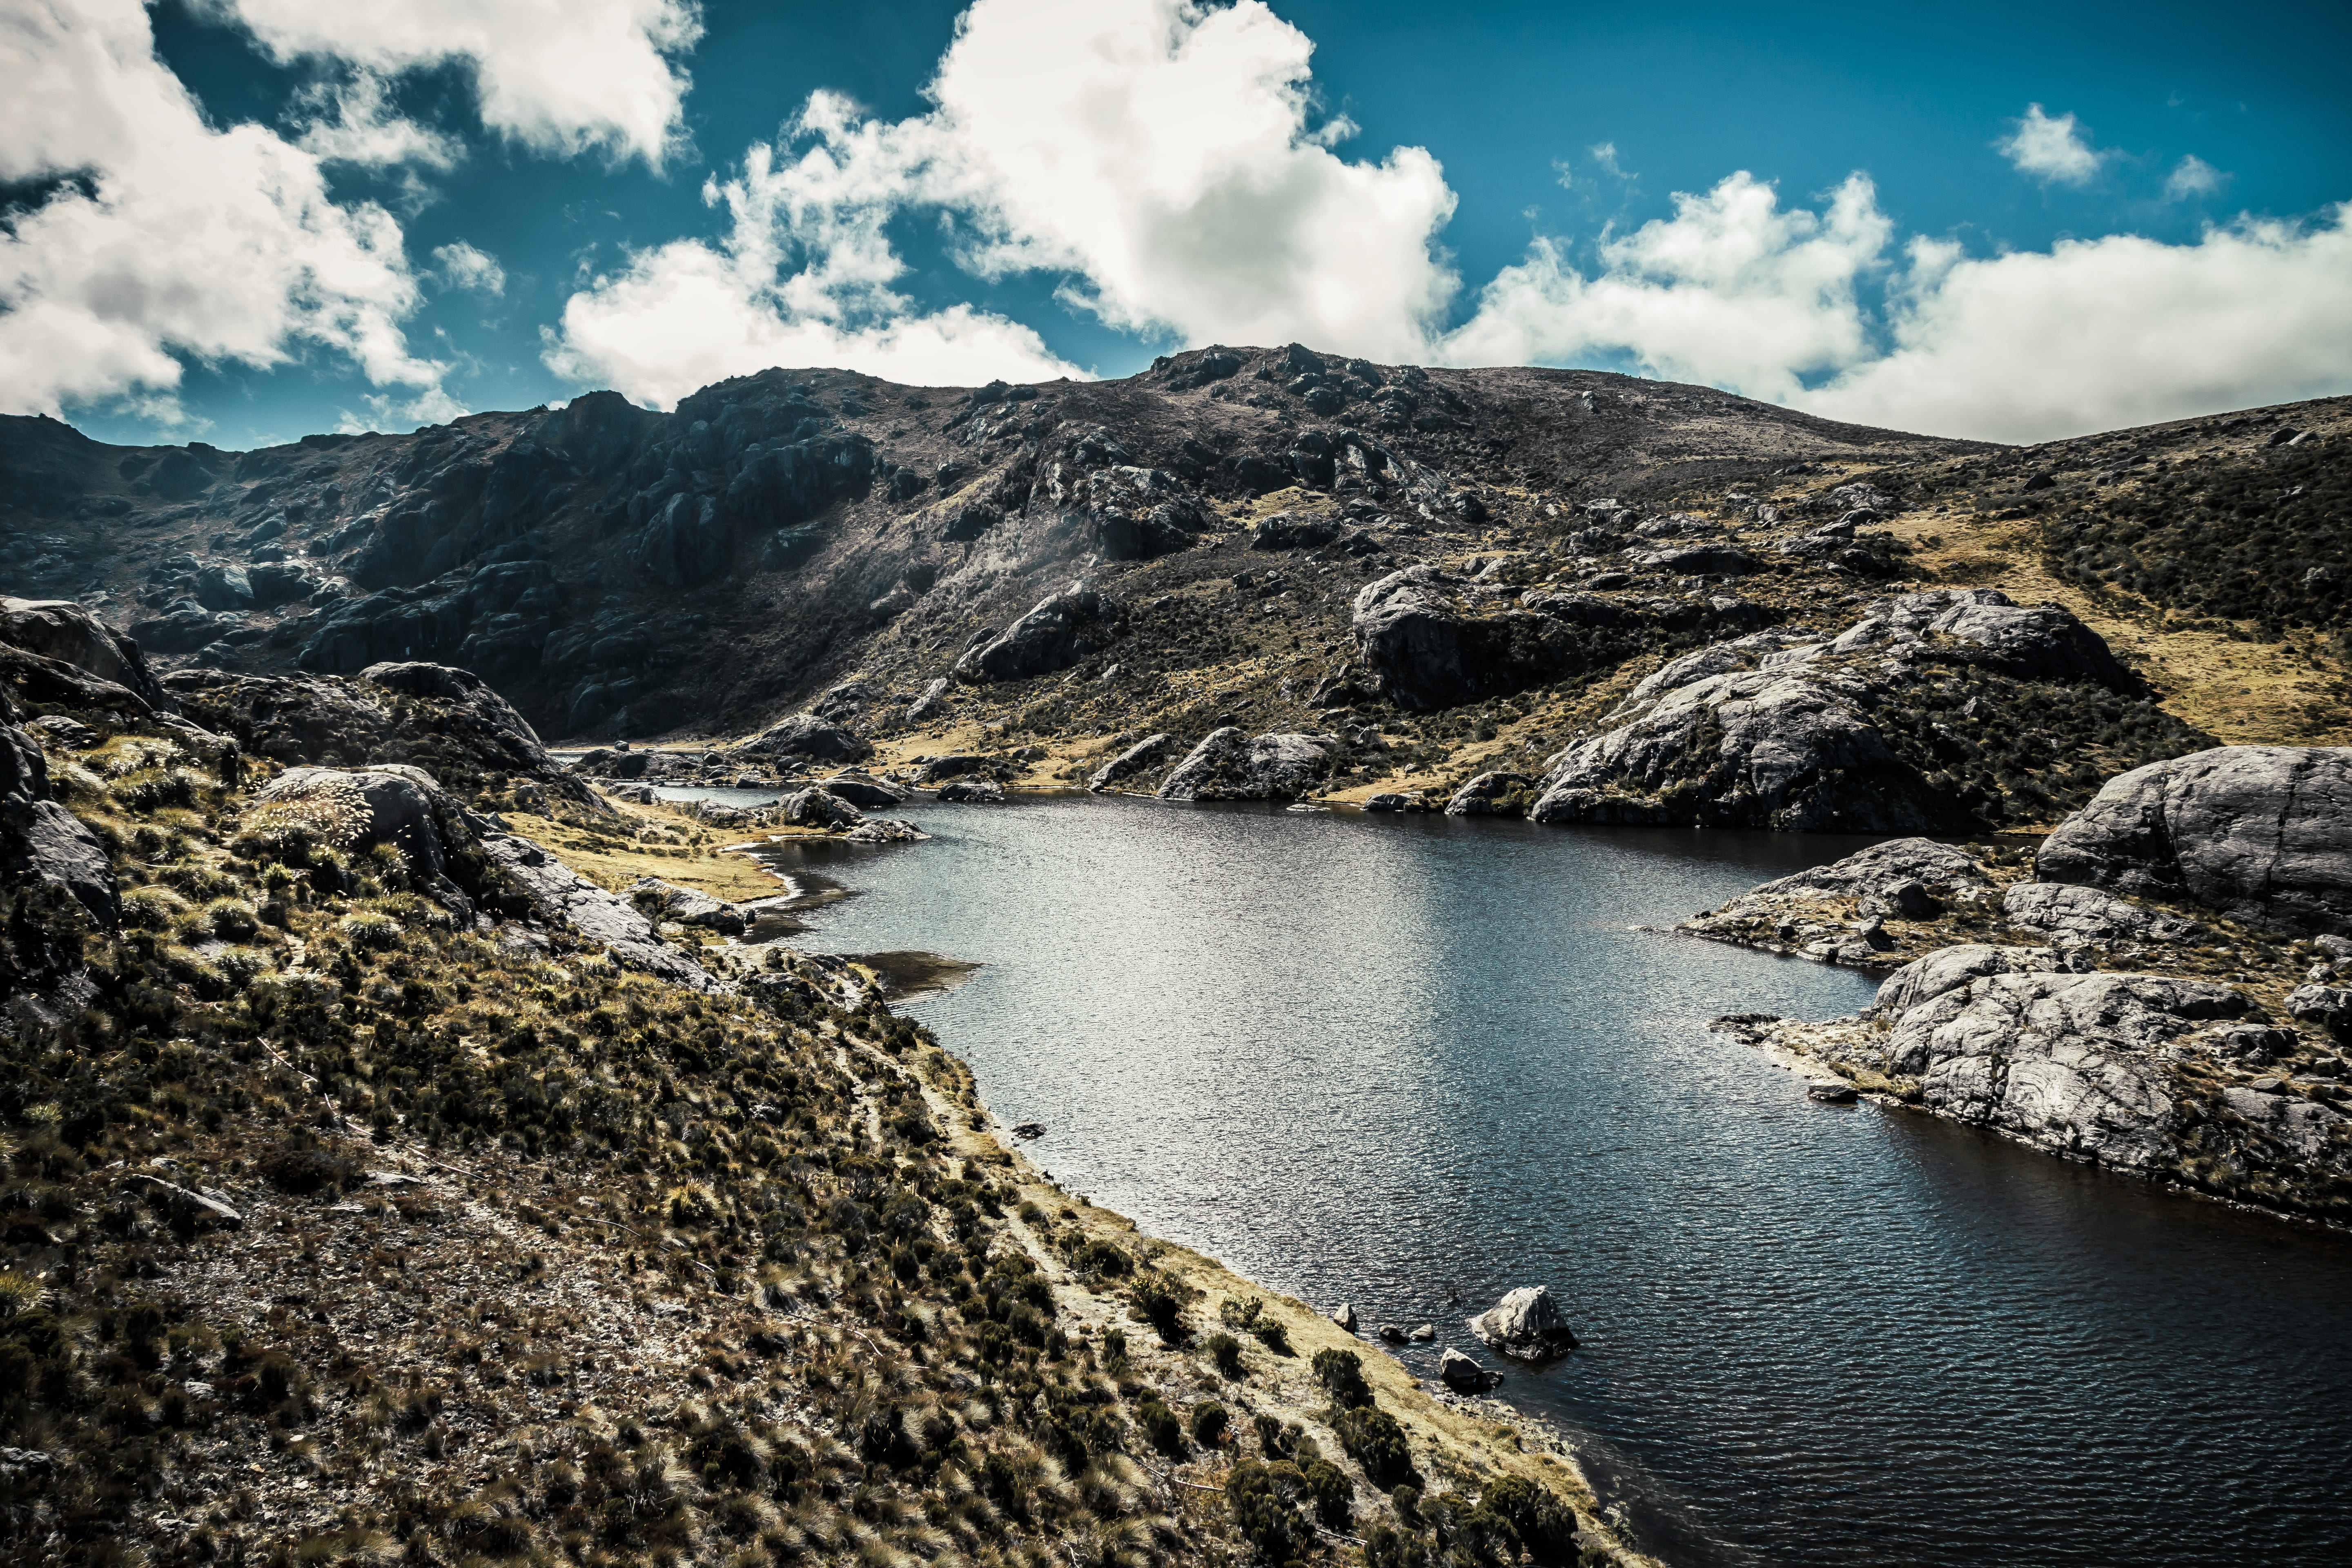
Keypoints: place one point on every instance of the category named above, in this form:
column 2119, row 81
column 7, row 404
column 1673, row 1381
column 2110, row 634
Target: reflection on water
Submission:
column 1398, row 1061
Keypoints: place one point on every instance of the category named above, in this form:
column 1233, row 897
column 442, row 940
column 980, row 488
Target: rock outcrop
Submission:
column 688, row 906
column 1229, row 765
column 63, row 630
column 1771, row 731
column 2262, row 834
column 1138, row 758
column 1056, row 634
column 1490, row 793
column 40, row 840
column 1526, row 1324
column 354, row 811
column 807, row 735
column 1430, row 638
column 563, row 898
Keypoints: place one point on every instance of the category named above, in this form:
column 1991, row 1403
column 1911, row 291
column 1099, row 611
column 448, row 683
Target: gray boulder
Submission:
column 1463, row 1375
column 806, row 735
column 356, row 811
column 818, row 808
column 973, row 792
column 689, row 906
column 2074, row 916
column 40, row 840
column 955, row 764
column 1525, row 1324
column 1056, row 634
column 563, row 898
column 223, row 586
column 63, row 630
column 1231, row 765
column 859, row 790
column 932, row 704
column 1949, row 969
column 1482, row 795
column 1768, row 747
column 1147, row 752
column 1432, row 639
column 2262, row 834
column 1285, row 531
column 463, row 689
column 192, row 1209
column 2330, row 1005
column 2065, row 1062
column 1907, row 876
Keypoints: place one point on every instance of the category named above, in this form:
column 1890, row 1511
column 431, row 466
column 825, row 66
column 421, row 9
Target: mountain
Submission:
column 1208, row 531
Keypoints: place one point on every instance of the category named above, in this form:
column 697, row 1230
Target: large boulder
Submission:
column 1056, row 634
column 1231, row 765
column 40, row 840
column 355, row 810
column 859, row 790
column 1432, row 639
column 62, row 630
column 1491, row 794
column 1525, row 1324
column 2262, row 834
column 1763, row 748
column 462, row 689
column 806, row 735
column 1910, row 877
column 1146, row 754
column 447, row 722
column 2074, row 916
column 815, row 807
column 689, row 906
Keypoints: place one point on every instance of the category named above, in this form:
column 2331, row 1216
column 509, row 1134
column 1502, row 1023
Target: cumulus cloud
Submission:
column 562, row 77
column 355, row 121
column 1162, row 158
column 161, row 235
column 463, row 267
column 2193, row 177
column 1733, row 289
column 686, row 314
column 2055, row 152
column 1736, row 291
column 2116, row 331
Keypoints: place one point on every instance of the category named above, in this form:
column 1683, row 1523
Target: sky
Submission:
column 240, row 221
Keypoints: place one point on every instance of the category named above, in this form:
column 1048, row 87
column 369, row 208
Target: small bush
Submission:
column 1225, row 1353
column 1208, row 1421
column 1156, row 1304
column 367, row 928
column 1341, row 1372
column 1264, row 1498
column 1160, row 1427
column 232, row 919
column 1374, row 1440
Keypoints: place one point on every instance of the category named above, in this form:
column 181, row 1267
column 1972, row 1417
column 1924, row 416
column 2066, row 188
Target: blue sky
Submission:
column 1977, row 284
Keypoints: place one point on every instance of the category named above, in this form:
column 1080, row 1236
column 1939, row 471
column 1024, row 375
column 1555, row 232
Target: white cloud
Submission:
column 354, row 122
column 1732, row 290
column 686, row 314
column 2192, row 177
column 173, row 236
column 2028, row 345
column 1605, row 154
column 2054, row 152
column 463, row 267
column 1162, row 157
column 562, row 77
column 2099, row 333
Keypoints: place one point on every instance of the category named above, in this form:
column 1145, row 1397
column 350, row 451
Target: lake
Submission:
column 1410, row 1063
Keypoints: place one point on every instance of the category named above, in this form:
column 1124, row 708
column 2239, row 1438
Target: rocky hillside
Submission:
column 376, row 1186
column 587, row 560
column 1569, row 592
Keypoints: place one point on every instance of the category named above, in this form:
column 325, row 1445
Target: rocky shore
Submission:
column 382, row 1184
column 2159, row 988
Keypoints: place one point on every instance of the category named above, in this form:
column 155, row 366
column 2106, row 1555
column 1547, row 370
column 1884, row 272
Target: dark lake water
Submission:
column 1398, row 1061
